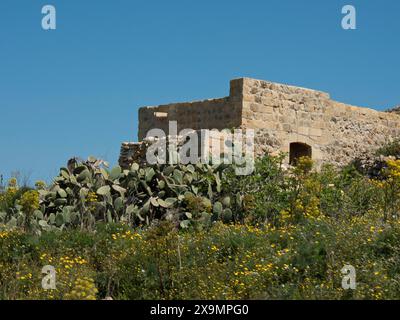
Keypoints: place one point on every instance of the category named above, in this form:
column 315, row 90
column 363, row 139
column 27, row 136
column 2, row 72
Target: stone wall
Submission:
column 208, row 114
column 209, row 144
column 282, row 115
column 336, row 132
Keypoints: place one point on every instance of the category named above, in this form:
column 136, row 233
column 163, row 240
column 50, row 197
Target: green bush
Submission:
column 390, row 149
column 301, row 261
column 202, row 232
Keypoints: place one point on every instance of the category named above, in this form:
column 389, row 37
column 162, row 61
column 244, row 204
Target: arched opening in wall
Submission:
column 298, row 150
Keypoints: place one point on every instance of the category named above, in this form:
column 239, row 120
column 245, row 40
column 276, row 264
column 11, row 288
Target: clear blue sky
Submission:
column 75, row 91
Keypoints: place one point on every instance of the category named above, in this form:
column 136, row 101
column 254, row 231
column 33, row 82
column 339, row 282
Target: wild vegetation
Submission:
column 202, row 232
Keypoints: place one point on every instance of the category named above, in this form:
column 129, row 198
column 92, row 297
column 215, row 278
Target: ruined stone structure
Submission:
column 285, row 118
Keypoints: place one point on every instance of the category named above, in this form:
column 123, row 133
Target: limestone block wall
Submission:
column 337, row 132
column 281, row 115
column 208, row 114
column 209, row 144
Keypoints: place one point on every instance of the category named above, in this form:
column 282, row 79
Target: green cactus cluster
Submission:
column 86, row 192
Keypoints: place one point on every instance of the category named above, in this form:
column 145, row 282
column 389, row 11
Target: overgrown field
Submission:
column 202, row 232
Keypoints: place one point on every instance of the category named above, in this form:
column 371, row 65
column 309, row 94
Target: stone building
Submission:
column 285, row 118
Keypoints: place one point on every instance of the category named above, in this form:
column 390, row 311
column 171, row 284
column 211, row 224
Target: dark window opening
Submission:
column 298, row 150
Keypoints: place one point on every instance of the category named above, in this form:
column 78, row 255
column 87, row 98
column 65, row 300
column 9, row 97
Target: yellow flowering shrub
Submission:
column 83, row 289
column 6, row 198
column 91, row 201
column 30, row 201
column 263, row 261
column 292, row 233
column 389, row 185
column 40, row 185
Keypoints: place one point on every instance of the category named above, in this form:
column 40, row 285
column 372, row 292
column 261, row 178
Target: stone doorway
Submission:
column 298, row 150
